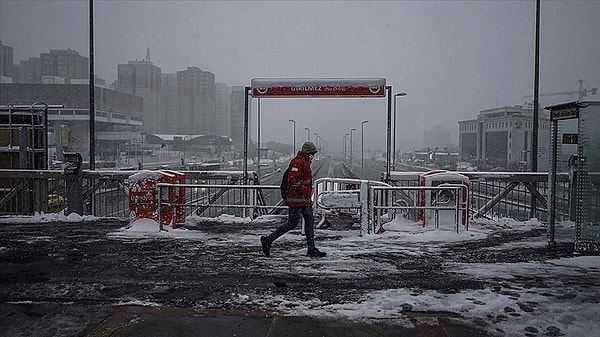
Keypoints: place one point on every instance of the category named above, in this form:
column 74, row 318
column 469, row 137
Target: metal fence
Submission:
column 510, row 194
column 102, row 193
column 105, row 193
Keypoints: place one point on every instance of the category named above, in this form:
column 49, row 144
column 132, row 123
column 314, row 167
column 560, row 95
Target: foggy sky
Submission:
column 452, row 58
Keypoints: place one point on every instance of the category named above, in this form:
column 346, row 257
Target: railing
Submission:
column 210, row 200
column 335, row 195
column 508, row 194
column 105, row 193
column 447, row 203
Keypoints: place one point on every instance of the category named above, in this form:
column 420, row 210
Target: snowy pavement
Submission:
column 499, row 277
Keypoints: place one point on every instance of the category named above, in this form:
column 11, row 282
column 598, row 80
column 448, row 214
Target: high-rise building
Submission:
column 502, row 137
column 236, row 125
column 197, row 101
column 67, row 64
column 28, row 71
column 169, row 111
column 6, row 61
column 223, row 92
column 142, row 79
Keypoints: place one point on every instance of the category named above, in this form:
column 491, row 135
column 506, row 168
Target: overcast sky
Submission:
column 452, row 58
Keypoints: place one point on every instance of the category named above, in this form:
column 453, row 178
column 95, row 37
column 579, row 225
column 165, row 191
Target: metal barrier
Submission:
column 392, row 200
column 508, row 194
column 369, row 200
column 103, row 193
column 204, row 199
column 345, row 195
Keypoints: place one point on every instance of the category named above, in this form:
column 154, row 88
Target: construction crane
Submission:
column 582, row 92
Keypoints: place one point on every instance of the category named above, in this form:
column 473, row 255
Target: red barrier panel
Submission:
column 143, row 201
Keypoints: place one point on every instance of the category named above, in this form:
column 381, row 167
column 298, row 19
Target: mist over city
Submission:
column 453, row 59
column 299, row 168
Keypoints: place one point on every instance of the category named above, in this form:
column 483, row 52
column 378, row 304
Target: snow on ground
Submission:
column 545, row 306
column 548, row 307
column 49, row 217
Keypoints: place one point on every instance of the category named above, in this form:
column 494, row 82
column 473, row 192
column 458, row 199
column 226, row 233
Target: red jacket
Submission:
column 299, row 191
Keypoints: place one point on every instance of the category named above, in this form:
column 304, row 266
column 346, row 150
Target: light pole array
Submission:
column 362, row 148
column 307, row 134
column 394, row 131
column 294, row 142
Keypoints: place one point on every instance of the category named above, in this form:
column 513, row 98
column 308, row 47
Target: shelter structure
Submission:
column 585, row 171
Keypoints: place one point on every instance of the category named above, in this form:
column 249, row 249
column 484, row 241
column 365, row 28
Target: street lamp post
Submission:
column 351, row 150
column 394, row 131
column 362, row 148
column 143, row 138
column 294, row 149
column 345, row 152
column 307, row 134
column 316, row 141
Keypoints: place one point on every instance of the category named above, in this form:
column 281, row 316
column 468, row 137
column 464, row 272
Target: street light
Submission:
column 351, row 151
column 307, row 134
column 362, row 147
column 394, row 131
column 294, row 149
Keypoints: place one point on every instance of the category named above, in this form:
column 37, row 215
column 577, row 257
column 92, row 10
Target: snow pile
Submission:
column 49, row 217
column 142, row 228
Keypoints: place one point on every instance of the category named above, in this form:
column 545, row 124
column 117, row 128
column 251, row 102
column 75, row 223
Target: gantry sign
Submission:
column 262, row 87
column 322, row 88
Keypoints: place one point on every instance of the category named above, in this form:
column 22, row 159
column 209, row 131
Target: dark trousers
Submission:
column 294, row 214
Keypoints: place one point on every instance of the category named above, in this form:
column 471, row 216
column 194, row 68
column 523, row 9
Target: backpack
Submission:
column 284, row 184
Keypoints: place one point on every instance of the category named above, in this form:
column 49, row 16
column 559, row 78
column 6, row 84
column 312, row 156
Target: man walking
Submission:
column 298, row 199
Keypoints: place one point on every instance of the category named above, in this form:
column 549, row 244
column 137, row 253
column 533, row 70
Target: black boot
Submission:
column 266, row 245
column 315, row 253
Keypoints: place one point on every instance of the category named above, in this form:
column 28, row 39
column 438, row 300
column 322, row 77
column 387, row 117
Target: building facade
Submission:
column 118, row 116
column 67, row 64
column 143, row 79
column 236, row 125
column 28, row 71
column 502, row 138
column 6, row 61
column 196, row 95
column 168, row 103
column 223, row 92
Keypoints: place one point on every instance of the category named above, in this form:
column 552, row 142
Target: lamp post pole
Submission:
column 294, row 148
column 307, row 134
column 362, row 148
column 317, row 141
column 351, row 149
column 143, row 138
column 345, row 152
column 394, row 131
